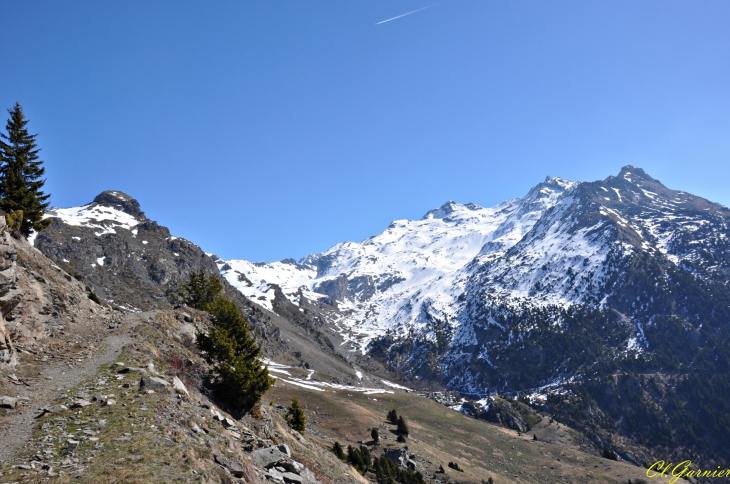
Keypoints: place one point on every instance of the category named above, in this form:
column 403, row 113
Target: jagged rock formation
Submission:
column 9, row 292
column 127, row 259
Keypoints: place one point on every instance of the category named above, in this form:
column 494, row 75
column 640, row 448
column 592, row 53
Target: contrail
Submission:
column 403, row 15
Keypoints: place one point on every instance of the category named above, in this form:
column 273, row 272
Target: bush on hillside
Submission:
column 295, row 417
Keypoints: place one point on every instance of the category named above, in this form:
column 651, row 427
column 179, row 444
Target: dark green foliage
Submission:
column 366, row 457
column 455, row 466
column 200, row 291
column 356, row 458
column 441, row 469
column 534, row 437
column 338, row 451
column 402, row 426
column 387, row 472
column 240, row 377
column 608, row 453
column 21, row 173
column 392, row 416
column 375, row 435
column 295, row 417
column 92, row 295
column 401, row 438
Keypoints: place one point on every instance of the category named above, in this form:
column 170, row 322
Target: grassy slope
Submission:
column 440, row 435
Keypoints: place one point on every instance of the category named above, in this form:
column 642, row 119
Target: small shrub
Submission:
column 92, row 295
column 257, row 413
column 296, row 417
column 14, row 219
column 455, row 466
column 375, row 435
column 609, row 453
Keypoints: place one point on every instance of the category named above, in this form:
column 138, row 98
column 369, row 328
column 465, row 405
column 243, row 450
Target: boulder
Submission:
column 292, row 478
column 55, row 409
column 268, row 457
column 179, row 387
column 80, row 403
column 152, row 383
column 133, row 370
column 235, row 468
column 8, row 402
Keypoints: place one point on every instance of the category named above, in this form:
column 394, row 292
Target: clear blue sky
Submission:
column 264, row 130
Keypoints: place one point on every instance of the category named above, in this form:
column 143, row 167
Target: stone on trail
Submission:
column 152, row 383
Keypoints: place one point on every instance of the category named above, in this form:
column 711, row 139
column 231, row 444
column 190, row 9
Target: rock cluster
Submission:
column 10, row 294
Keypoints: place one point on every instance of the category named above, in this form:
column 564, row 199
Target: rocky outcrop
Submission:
column 128, row 260
column 10, row 294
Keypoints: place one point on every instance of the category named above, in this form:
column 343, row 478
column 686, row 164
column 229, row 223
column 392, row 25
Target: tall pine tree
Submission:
column 20, row 174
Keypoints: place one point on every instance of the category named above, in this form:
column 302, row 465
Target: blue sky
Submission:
column 264, row 130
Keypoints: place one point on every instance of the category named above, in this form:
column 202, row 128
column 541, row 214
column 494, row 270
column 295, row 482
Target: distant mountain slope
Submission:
column 414, row 269
column 613, row 293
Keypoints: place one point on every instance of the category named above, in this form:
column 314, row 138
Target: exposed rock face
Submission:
column 10, row 294
column 127, row 259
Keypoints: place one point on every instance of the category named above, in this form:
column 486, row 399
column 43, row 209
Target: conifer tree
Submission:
column 375, row 435
column 200, row 291
column 296, row 418
column 20, row 174
column 338, row 450
column 240, row 377
column 402, row 426
column 392, row 416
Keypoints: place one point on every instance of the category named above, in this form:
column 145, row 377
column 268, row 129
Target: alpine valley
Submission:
column 582, row 330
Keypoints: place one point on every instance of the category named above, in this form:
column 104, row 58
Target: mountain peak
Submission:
column 555, row 181
column 120, row 201
column 448, row 208
column 631, row 173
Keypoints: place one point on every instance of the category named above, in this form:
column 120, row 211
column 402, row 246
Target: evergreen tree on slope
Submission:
column 20, row 174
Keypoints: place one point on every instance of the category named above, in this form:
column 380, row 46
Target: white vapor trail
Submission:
column 403, row 15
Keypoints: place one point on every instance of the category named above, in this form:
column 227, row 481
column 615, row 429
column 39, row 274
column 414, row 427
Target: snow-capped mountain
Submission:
column 449, row 278
column 414, row 270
